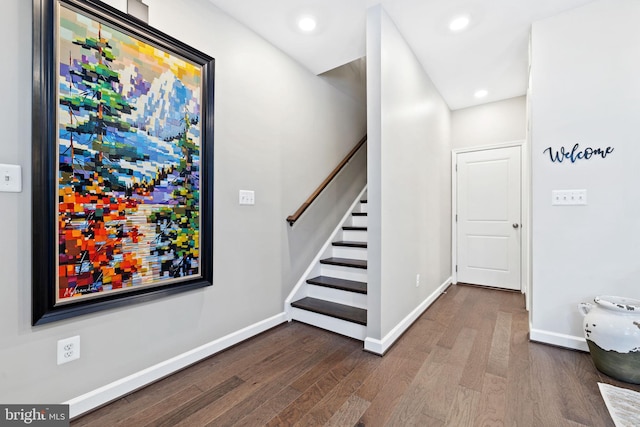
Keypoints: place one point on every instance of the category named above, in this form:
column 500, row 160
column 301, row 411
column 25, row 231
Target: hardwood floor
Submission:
column 466, row 361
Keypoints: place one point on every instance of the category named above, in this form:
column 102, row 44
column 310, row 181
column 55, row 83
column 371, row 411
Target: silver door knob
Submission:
column 516, row 225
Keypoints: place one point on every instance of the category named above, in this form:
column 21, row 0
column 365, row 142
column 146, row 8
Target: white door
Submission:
column 489, row 224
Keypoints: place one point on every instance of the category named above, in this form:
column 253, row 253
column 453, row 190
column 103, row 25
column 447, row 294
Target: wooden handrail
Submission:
column 291, row 219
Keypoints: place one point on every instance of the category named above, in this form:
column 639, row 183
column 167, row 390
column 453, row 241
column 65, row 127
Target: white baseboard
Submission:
column 381, row 346
column 103, row 395
column 560, row 340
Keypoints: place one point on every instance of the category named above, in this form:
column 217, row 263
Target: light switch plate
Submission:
column 10, row 178
column 568, row 197
column 247, row 197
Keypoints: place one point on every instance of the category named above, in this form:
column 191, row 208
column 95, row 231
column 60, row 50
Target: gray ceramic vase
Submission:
column 612, row 331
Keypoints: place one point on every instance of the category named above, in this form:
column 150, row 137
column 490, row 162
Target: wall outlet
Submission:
column 417, row 280
column 68, row 349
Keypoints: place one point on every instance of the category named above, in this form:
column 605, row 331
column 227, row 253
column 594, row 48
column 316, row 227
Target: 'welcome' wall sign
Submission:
column 576, row 153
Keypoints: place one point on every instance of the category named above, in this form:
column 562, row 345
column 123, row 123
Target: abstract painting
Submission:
column 129, row 124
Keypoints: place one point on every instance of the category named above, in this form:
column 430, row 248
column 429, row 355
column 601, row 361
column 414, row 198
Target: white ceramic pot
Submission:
column 612, row 331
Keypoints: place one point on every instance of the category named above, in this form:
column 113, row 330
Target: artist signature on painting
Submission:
column 577, row 153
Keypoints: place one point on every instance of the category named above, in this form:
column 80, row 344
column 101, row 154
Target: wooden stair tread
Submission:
column 341, row 284
column 333, row 309
column 349, row 227
column 345, row 262
column 350, row 244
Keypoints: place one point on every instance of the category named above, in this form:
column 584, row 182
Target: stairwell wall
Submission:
column 279, row 130
column 409, row 180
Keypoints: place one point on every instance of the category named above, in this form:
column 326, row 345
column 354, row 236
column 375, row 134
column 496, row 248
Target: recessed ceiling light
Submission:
column 481, row 93
column 307, row 23
column 459, row 23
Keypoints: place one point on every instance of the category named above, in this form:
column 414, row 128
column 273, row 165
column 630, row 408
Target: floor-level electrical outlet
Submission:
column 68, row 349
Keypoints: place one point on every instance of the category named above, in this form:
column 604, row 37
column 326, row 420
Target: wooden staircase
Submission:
column 334, row 293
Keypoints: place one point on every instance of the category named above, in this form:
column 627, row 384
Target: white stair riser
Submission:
column 351, row 253
column 338, row 326
column 347, row 273
column 336, row 295
column 359, row 221
column 322, row 293
column 354, row 236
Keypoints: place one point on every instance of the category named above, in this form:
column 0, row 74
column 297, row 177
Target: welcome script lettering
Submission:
column 576, row 153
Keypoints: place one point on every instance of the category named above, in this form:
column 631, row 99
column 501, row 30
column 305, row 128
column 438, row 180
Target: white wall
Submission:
column 279, row 130
column 409, row 178
column 585, row 90
column 487, row 124
column 351, row 78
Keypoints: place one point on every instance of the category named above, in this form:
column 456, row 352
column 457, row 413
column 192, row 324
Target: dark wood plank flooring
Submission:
column 466, row 361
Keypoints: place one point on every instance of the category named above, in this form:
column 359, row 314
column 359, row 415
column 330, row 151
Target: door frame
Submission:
column 525, row 200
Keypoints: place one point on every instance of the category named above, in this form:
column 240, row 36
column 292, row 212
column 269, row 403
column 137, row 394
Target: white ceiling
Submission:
column 491, row 54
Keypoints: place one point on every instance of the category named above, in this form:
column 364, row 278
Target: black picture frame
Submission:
column 46, row 168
